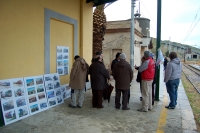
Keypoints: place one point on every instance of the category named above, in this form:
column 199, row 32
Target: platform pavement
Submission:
column 62, row 119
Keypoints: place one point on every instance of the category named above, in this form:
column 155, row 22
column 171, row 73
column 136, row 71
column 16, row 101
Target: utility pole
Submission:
column 157, row 47
column 132, row 35
column 169, row 46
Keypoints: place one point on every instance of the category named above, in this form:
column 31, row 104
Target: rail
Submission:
column 189, row 78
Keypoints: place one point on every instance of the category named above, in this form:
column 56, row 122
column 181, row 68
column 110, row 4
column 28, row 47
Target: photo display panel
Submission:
column 36, row 94
column 66, row 91
column 13, row 100
column 62, row 60
column 53, row 89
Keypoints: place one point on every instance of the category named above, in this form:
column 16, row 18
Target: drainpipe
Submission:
column 132, row 35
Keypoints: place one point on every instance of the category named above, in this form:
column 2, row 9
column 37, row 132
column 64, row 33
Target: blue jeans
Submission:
column 172, row 88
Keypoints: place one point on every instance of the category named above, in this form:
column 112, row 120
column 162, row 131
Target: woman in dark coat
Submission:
column 99, row 76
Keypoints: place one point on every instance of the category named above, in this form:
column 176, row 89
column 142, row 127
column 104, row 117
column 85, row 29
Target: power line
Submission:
column 192, row 29
column 189, row 31
column 152, row 27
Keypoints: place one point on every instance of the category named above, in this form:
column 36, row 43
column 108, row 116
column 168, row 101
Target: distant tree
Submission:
column 167, row 53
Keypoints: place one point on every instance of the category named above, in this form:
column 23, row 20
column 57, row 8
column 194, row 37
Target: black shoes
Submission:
column 168, row 107
column 71, row 106
column 126, row 108
column 140, row 98
column 79, row 106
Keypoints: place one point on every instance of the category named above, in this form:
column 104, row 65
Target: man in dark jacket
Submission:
column 147, row 69
column 165, row 63
column 115, row 60
column 99, row 76
column 123, row 75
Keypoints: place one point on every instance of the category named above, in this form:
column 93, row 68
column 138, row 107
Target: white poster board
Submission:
column 66, row 91
column 13, row 100
column 62, row 60
column 36, row 94
column 53, row 89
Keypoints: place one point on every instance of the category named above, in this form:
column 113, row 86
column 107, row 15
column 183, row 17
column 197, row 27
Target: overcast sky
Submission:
column 180, row 18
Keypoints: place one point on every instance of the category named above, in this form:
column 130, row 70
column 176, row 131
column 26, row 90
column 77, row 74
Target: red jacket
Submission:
column 149, row 73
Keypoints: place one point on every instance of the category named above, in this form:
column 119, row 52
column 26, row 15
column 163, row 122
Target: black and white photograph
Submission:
column 5, row 84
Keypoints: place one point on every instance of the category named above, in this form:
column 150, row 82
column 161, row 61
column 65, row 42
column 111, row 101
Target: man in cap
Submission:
column 147, row 69
column 77, row 81
column 123, row 75
column 99, row 76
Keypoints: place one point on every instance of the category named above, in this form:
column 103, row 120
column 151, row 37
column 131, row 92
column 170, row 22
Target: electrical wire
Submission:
column 192, row 30
column 189, row 31
column 154, row 23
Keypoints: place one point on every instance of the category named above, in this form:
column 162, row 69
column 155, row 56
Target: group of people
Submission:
column 123, row 76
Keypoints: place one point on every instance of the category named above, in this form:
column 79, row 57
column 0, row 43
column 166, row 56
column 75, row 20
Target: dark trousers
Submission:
column 97, row 98
column 124, row 98
column 129, row 94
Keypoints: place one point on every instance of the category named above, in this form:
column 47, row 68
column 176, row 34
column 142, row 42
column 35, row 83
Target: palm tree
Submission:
column 99, row 28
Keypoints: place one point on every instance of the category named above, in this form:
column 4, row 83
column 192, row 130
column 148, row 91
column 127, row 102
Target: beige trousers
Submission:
column 146, row 94
column 80, row 94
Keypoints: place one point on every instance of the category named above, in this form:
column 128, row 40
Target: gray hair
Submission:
column 146, row 54
column 122, row 56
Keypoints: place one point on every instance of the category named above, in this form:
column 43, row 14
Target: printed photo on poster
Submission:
column 30, row 82
column 8, row 105
column 6, row 94
column 52, row 102
column 19, row 92
column 31, row 90
column 21, row 101
column 34, row 108
column 43, row 104
column 23, row 111
column 10, row 116
column 5, row 84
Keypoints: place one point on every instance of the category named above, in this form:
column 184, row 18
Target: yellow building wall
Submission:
column 86, row 31
column 61, row 34
column 22, row 35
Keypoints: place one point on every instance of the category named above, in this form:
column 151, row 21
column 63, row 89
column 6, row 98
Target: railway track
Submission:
column 193, row 75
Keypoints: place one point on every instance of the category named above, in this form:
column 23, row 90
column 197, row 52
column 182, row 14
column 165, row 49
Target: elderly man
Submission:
column 99, row 76
column 78, row 80
column 123, row 75
column 147, row 70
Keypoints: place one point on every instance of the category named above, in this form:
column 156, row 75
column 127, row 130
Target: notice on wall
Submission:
column 66, row 91
column 36, row 94
column 13, row 100
column 62, row 60
column 53, row 89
